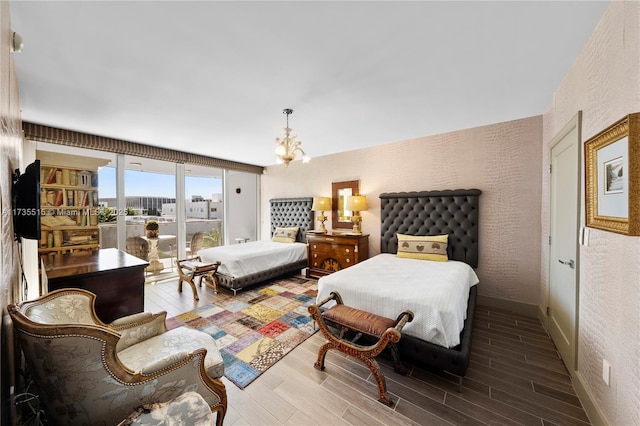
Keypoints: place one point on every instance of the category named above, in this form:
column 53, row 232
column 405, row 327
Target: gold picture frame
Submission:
column 612, row 166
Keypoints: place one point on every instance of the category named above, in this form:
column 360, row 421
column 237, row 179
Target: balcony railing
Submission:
column 166, row 246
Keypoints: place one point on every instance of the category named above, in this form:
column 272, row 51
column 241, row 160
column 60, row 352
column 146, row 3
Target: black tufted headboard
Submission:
column 453, row 212
column 287, row 212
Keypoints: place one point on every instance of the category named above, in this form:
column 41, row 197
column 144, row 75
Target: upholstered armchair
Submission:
column 88, row 372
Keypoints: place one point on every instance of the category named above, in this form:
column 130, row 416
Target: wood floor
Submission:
column 515, row 377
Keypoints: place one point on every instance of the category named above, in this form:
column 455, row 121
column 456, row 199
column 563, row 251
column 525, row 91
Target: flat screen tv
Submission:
column 26, row 202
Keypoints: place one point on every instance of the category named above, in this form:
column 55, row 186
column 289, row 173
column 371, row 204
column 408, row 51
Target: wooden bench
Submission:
column 346, row 318
column 190, row 269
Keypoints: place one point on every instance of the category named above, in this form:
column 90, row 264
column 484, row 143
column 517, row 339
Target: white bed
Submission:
column 240, row 260
column 436, row 292
column 251, row 263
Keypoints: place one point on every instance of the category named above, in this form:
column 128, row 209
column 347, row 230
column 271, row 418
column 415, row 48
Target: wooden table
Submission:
column 116, row 277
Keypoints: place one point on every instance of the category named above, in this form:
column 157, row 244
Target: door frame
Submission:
column 574, row 123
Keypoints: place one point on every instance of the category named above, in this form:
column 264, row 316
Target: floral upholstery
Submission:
column 65, row 309
column 187, row 409
column 137, row 328
column 164, row 345
column 88, row 372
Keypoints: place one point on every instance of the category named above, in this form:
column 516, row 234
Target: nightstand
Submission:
column 328, row 253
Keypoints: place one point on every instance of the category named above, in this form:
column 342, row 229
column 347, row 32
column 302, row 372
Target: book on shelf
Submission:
column 52, row 176
column 65, row 176
column 73, row 177
column 59, row 198
column 79, row 195
column 70, row 198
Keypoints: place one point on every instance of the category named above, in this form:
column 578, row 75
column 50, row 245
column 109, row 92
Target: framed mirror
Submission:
column 340, row 216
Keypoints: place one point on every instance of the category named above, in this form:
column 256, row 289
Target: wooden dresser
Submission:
column 328, row 253
column 115, row 277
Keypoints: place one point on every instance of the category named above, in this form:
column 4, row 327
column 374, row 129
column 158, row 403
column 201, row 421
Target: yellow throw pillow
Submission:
column 285, row 235
column 425, row 247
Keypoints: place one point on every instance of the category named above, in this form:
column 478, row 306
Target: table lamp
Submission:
column 320, row 204
column 357, row 204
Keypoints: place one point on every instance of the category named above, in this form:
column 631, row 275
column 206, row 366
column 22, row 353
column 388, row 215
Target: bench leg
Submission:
column 382, row 384
column 398, row 366
column 369, row 362
column 322, row 353
column 211, row 279
column 193, row 289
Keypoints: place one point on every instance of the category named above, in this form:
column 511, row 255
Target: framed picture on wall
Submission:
column 612, row 165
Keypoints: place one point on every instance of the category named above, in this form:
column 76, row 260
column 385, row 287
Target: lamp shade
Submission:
column 357, row 203
column 321, row 204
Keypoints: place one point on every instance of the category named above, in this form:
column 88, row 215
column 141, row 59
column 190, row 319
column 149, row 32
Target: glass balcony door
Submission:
column 151, row 233
column 203, row 209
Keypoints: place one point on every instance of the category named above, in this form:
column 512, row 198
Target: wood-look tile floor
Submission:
column 515, row 377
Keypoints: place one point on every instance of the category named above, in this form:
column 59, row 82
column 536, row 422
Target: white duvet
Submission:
column 436, row 292
column 239, row 260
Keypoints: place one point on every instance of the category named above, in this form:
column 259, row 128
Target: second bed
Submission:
column 253, row 262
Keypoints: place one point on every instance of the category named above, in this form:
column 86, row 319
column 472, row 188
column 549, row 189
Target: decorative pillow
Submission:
column 135, row 332
column 425, row 247
column 285, row 235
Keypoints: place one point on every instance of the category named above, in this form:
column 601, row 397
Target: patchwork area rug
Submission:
column 257, row 327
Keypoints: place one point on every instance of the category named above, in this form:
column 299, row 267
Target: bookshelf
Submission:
column 68, row 203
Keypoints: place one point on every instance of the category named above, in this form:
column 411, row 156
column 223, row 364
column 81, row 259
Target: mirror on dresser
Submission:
column 340, row 215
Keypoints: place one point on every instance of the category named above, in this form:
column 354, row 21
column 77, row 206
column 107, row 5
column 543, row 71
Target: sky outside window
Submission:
column 156, row 184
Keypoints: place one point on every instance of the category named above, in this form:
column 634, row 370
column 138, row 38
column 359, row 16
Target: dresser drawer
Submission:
column 345, row 260
column 333, row 249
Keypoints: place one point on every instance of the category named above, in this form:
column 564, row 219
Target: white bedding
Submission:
column 436, row 292
column 239, row 260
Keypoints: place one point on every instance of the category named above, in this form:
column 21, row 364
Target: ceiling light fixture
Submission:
column 286, row 148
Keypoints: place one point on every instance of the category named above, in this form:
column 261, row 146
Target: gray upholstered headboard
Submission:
column 287, row 212
column 453, row 212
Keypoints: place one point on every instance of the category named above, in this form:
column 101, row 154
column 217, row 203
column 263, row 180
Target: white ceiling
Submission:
column 212, row 77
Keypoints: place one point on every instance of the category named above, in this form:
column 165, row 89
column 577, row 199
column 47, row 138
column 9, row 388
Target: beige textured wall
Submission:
column 10, row 153
column 604, row 82
column 503, row 160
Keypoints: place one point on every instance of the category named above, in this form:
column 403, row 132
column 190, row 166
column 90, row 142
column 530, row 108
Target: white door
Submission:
column 563, row 247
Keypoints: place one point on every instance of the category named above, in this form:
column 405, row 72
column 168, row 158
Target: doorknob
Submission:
column 571, row 263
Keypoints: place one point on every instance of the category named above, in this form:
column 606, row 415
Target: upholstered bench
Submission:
column 385, row 330
column 190, row 269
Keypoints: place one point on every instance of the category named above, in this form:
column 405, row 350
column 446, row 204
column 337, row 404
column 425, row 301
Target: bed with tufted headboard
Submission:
column 249, row 263
column 442, row 295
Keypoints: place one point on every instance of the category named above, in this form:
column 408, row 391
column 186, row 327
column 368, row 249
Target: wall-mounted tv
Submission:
column 25, row 192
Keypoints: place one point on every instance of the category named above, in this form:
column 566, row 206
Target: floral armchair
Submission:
column 88, row 372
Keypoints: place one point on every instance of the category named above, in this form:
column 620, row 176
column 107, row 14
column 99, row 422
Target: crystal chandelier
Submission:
column 286, row 147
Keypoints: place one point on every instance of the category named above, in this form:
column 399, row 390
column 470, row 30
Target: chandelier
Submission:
column 287, row 147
